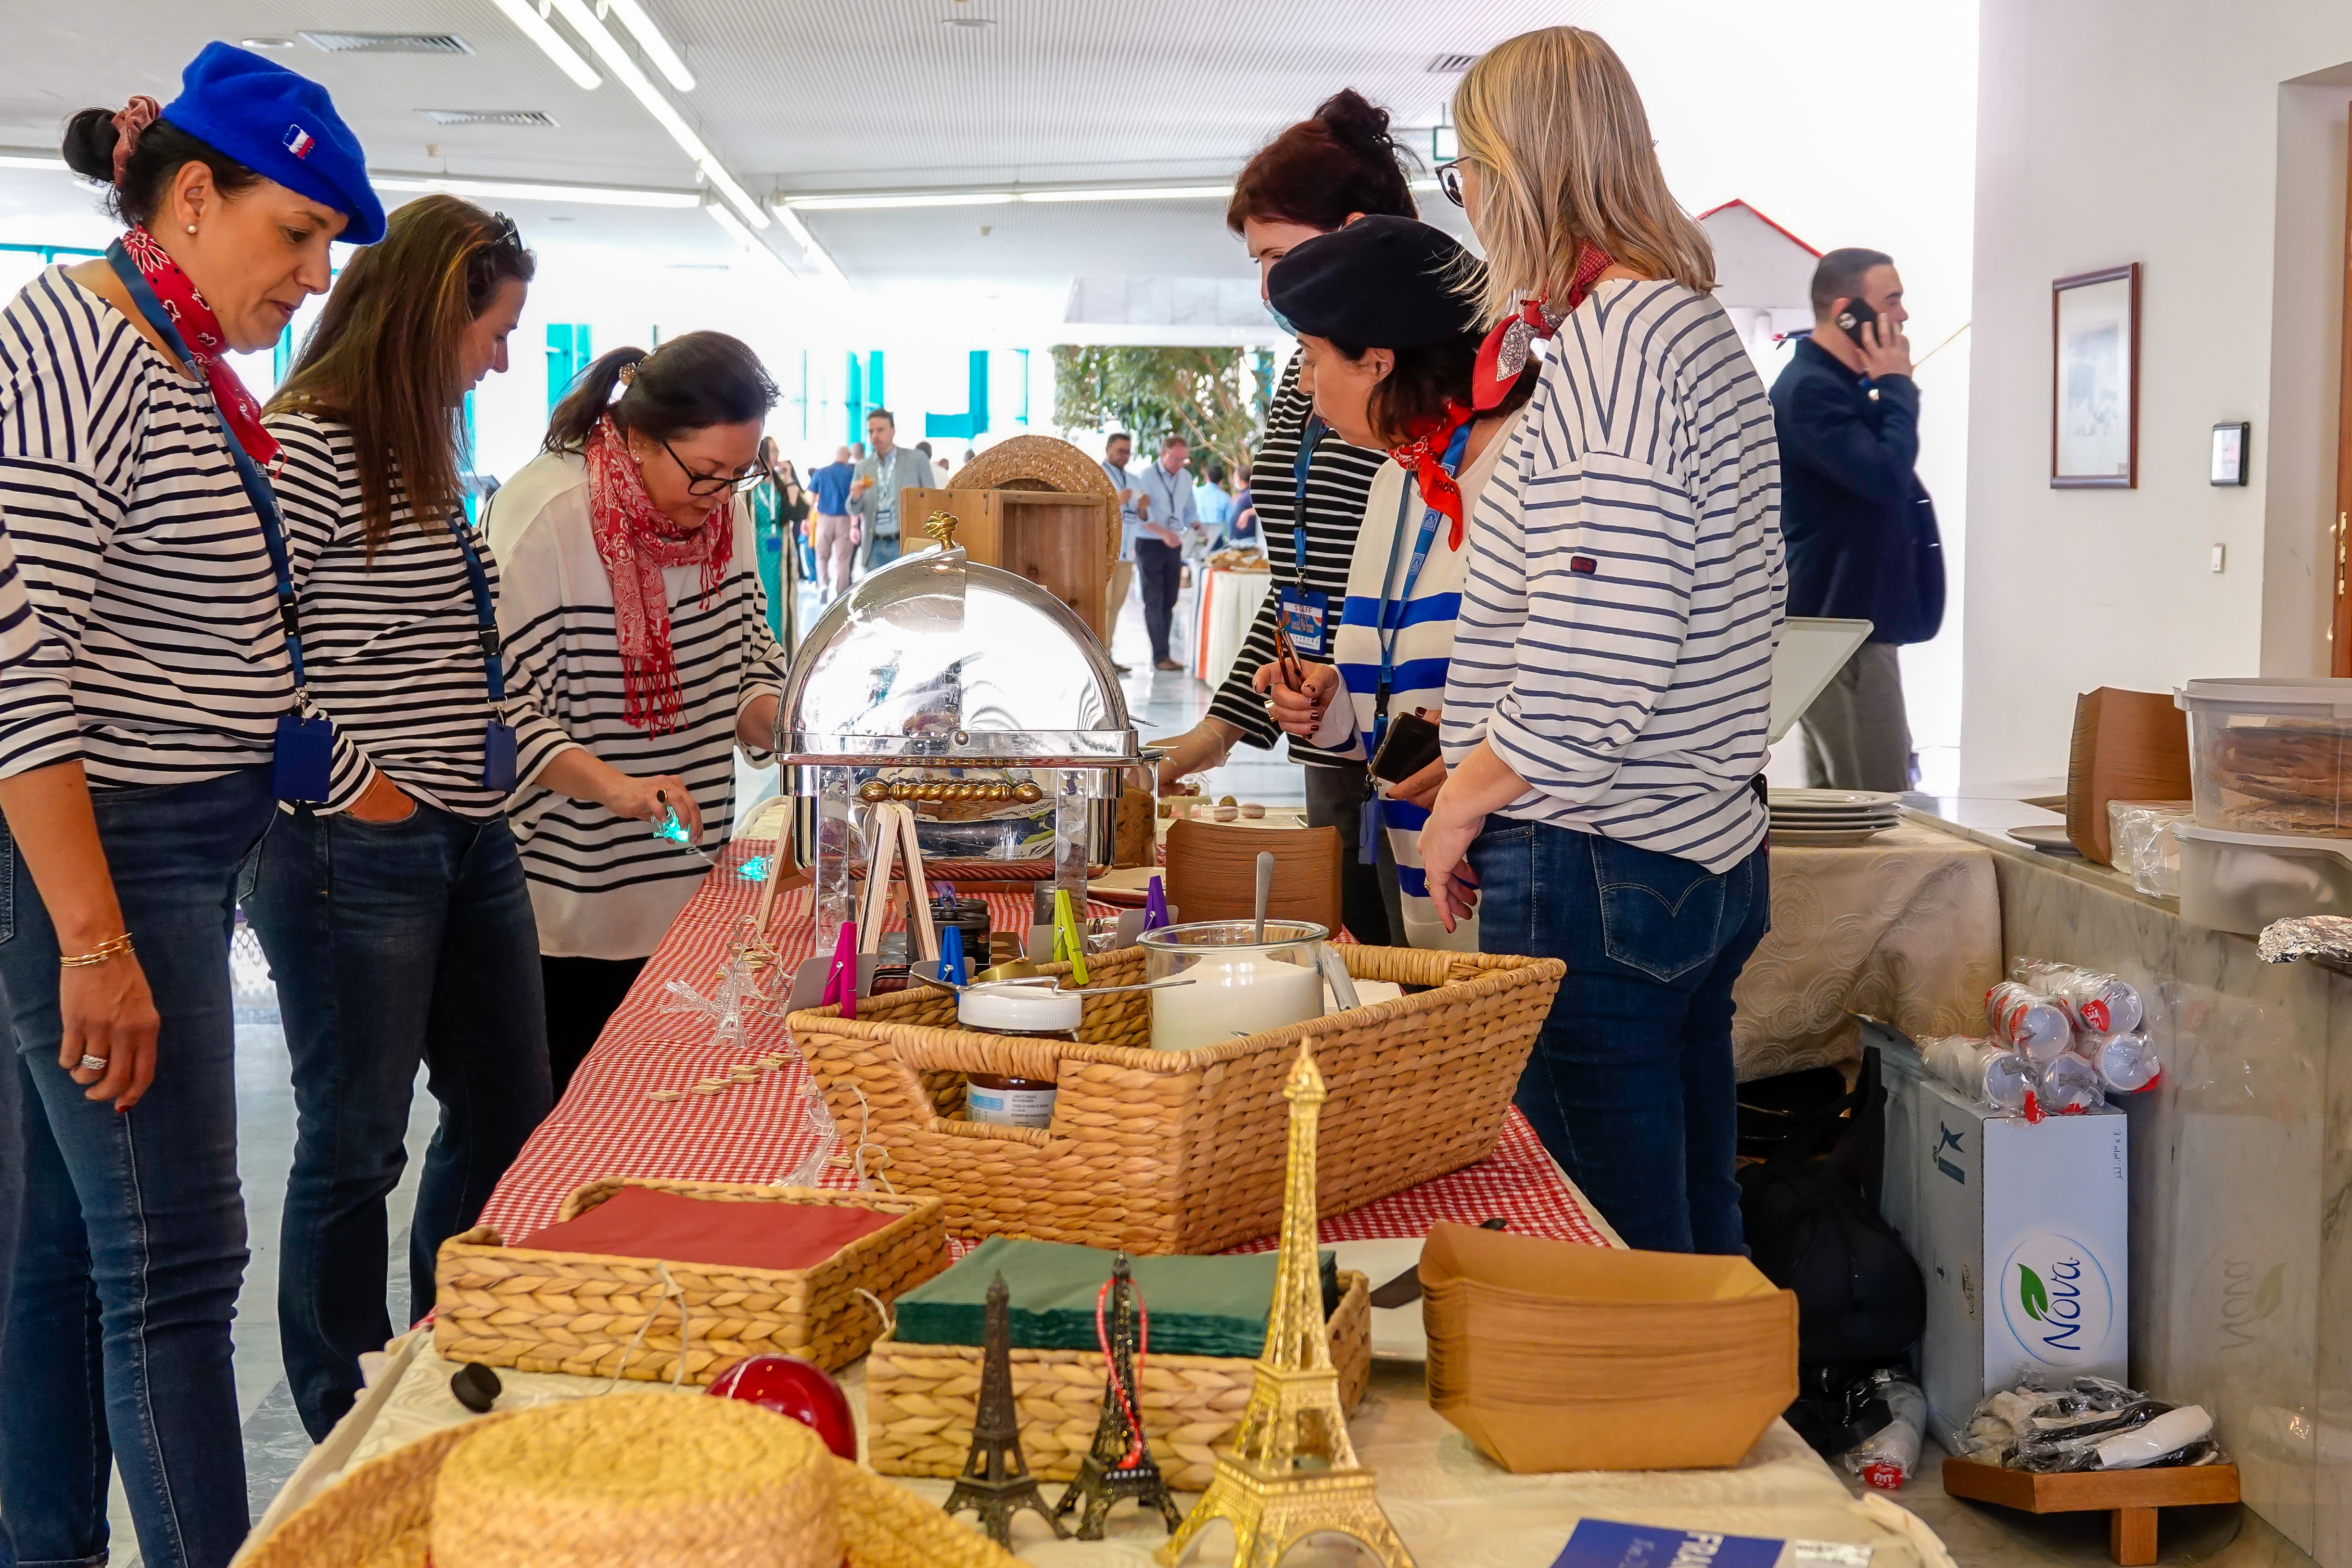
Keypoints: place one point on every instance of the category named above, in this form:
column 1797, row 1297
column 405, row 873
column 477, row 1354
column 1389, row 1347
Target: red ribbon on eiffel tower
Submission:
column 1126, row 1394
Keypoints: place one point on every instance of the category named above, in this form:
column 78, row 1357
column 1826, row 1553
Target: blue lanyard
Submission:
column 1309, row 436
column 486, row 613
column 1429, row 518
column 249, row 473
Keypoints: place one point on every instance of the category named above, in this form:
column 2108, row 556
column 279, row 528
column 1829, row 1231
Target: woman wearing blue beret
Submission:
column 142, row 745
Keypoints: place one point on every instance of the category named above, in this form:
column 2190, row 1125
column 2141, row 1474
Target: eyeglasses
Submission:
column 1449, row 179
column 701, row 485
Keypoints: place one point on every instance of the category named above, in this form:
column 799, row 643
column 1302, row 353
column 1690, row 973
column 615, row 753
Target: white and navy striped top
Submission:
column 1626, row 586
column 390, row 645
column 1338, row 478
column 605, row 886
column 161, row 659
column 19, row 633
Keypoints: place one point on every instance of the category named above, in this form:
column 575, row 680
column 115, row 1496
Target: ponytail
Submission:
column 1319, row 171
column 690, row 382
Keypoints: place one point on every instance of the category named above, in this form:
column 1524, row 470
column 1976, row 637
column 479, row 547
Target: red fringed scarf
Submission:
column 635, row 540
column 1505, row 352
column 1424, row 459
column 200, row 330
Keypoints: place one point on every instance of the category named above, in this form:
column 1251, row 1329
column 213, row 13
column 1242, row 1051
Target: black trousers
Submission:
column 1161, row 568
column 581, row 994
column 1336, row 798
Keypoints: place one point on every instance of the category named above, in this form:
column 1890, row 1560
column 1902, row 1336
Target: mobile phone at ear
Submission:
column 1853, row 314
column 1409, row 745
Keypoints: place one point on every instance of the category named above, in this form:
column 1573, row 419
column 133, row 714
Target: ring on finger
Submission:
column 92, row 1064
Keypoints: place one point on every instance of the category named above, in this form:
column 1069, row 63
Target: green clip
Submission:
column 1069, row 943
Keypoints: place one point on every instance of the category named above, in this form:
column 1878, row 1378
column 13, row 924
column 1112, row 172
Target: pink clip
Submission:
column 841, row 975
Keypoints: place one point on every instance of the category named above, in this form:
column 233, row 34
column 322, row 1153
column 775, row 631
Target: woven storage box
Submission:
column 919, row 1400
column 1157, row 1152
column 577, row 1312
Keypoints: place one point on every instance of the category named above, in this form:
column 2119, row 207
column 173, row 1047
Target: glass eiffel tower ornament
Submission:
column 1119, row 1464
column 738, row 997
column 996, row 1483
column 1292, row 1469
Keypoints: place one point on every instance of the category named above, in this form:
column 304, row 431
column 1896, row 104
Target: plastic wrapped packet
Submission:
column 2140, row 832
column 2027, row 1021
column 2067, row 1084
column 2326, row 937
column 1887, row 1456
column 1984, row 1070
column 2099, row 1004
column 2089, row 1424
column 2126, row 1063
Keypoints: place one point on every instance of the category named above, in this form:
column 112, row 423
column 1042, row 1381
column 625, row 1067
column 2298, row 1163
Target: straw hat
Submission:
column 621, row 1480
column 1034, row 463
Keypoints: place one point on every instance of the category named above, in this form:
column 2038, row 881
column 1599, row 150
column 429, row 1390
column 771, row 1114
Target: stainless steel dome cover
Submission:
column 940, row 660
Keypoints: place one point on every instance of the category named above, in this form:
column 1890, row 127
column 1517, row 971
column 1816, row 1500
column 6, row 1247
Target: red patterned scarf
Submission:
column 1504, row 354
column 200, row 330
column 637, row 538
column 1425, row 459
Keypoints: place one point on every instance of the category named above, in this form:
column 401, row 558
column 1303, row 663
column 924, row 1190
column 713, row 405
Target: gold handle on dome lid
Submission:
column 942, row 526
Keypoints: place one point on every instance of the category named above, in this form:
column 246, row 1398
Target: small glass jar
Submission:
column 1023, row 1012
column 1241, row 985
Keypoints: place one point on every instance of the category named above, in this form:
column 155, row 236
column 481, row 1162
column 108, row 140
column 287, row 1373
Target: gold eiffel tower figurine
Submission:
column 1293, row 1410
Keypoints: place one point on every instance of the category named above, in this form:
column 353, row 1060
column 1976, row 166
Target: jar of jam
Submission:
column 1023, row 1012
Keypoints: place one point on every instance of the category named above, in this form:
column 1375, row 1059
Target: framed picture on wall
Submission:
column 2094, row 380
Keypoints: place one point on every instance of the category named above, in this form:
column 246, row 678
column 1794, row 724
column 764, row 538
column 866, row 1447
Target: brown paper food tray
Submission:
column 2132, row 1496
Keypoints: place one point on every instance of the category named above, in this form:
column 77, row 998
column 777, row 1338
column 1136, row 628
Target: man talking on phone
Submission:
column 1861, row 530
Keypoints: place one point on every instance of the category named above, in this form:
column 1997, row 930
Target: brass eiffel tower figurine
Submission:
column 1294, row 1409
column 1119, row 1464
column 996, row 1482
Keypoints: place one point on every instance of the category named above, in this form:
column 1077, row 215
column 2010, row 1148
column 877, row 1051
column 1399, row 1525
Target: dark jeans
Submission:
column 582, row 994
column 391, row 943
column 12, row 1161
column 1630, row 1085
column 1367, row 894
column 132, row 1243
column 1161, row 568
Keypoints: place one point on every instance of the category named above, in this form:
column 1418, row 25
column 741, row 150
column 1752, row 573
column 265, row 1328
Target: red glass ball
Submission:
column 800, row 1389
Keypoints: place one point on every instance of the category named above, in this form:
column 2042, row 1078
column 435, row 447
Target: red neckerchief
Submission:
column 1424, row 459
column 1505, row 352
column 200, row 330
column 637, row 538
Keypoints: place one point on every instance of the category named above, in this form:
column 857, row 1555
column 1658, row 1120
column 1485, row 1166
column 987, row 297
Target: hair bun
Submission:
column 89, row 145
column 1355, row 121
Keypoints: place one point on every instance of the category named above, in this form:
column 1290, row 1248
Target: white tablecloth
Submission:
column 1228, row 605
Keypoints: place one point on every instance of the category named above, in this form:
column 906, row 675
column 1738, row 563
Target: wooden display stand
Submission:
column 1065, row 544
column 2131, row 1496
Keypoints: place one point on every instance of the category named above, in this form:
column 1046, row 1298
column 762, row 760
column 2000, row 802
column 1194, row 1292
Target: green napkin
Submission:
column 1198, row 1306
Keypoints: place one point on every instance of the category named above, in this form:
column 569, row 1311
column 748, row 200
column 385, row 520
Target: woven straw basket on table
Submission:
column 920, row 1399
column 578, row 1314
column 1181, row 1152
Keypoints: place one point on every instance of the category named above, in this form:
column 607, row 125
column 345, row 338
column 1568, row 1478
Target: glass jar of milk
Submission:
column 1240, row 985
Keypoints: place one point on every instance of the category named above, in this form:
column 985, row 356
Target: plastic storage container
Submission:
column 2244, row 882
column 2271, row 756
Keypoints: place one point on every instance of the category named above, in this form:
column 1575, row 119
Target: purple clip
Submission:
column 841, row 975
column 1155, row 906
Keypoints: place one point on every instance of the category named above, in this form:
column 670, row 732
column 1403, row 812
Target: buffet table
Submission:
column 1226, row 605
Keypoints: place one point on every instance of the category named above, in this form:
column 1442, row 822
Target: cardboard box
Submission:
column 2022, row 1230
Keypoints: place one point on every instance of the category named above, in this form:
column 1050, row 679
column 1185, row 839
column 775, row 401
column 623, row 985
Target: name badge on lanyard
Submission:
column 1305, row 612
column 498, row 737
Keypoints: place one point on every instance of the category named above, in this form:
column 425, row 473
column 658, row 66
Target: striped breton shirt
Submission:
column 1626, row 583
column 1339, row 478
column 162, row 661
column 19, row 632
column 391, row 646
column 605, row 886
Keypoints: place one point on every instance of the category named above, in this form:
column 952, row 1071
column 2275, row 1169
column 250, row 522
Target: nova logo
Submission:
column 2246, row 1301
column 1949, row 1140
column 2057, row 1300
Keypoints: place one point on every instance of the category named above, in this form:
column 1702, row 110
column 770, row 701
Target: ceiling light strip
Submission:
column 531, row 191
column 630, row 75
column 850, row 201
column 818, row 257
column 534, row 27
column 746, row 239
column 641, row 27
column 48, row 162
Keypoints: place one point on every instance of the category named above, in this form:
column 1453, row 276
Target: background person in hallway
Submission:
column 874, row 493
column 836, row 540
column 1117, row 452
column 1210, row 500
column 1169, row 517
column 1860, row 530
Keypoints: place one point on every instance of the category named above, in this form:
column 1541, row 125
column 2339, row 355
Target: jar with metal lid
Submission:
column 1023, row 1012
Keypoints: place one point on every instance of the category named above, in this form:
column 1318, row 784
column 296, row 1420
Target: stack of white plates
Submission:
column 1829, row 816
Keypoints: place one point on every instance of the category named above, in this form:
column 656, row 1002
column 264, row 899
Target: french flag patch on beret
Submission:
column 300, row 141
column 1584, row 564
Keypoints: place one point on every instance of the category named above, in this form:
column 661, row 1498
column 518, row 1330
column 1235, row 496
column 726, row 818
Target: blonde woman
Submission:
column 1605, row 707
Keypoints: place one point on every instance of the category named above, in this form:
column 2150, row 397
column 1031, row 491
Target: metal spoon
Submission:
column 1264, row 891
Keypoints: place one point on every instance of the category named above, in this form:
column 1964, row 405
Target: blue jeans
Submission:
column 1630, row 1085
column 132, row 1243
column 12, row 1160
column 391, row 943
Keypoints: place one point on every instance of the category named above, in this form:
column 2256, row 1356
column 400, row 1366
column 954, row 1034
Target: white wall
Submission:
column 2164, row 133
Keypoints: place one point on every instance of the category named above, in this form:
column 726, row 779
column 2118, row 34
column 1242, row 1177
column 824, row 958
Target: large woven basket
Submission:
column 919, row 1400
column 1181, row 1152
column 577, row 1312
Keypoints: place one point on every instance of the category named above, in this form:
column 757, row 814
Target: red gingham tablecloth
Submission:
column 758, row 1132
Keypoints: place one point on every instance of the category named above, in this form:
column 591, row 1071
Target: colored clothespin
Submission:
column 841, row 979
column 951, row 966
column 1155, row 906
column 1069, row 940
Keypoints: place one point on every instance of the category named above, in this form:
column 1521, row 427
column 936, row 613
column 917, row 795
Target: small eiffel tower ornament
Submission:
column 1119, row 1465
column 1272, row 1500
column 996, row 1482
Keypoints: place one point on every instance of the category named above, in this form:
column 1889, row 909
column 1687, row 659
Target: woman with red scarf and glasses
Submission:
column 633, row 602
column 141, row 745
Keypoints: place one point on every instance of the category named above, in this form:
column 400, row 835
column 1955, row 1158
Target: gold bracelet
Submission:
column 111, row 948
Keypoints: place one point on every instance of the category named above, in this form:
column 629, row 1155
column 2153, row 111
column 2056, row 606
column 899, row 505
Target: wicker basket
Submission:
column 1181, row 1152
column 577, row 1312
column 919, row 1400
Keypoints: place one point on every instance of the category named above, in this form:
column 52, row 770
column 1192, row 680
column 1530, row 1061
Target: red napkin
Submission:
column 643, row 1222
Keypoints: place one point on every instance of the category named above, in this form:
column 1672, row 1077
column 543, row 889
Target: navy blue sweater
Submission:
column 1861, row 530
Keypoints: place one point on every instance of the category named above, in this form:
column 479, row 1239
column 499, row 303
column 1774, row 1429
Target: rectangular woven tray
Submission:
column 577, row 1312
column 920, row 1399
column 1161, row 1152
